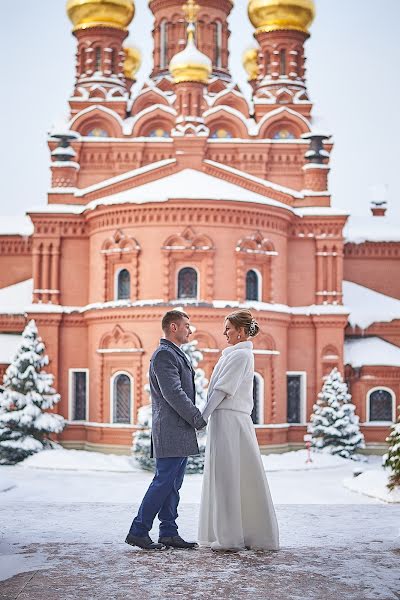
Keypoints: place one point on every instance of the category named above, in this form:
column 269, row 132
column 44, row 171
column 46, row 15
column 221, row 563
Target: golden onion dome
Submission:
column 100, row 13
column 190, row 64
column 273, row 15
column 132, row 62
column 250, row 63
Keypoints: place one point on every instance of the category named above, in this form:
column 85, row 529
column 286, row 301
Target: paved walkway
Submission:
column 75, row 552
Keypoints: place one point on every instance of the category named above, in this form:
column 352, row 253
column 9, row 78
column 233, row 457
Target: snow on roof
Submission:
column 265, row 183
column 124, row 176
column 367, row 306
column 15, row 298
column 188, row 183
column 16, row 225
column 9, row 343
column 360, row 229
column 72, row 209
column 361, row 352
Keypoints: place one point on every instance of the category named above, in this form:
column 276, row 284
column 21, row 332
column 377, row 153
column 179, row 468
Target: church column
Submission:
column 36, row 255
column 55, row 266
column 45, row 278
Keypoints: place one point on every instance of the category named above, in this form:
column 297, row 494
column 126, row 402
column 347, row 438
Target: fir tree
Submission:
column 27, row 392
column 391, row 460
column 142, row 438
column 334, row 426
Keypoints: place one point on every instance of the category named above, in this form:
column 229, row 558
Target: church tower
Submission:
column 100, row 29
column 212, row 34
column 281, row 29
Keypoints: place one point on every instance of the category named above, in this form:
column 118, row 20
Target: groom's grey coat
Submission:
column 175, row 416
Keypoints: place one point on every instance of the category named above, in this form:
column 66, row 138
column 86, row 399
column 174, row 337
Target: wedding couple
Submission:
column 236, row 510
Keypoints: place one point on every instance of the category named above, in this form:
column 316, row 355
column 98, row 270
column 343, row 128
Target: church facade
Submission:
column 185, row 194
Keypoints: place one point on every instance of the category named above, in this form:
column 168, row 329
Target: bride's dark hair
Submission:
column 244, row 318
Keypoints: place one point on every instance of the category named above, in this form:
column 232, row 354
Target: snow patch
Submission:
column 79, row 460
column 373, row 484
column 359, row 352
column 367, row 306
column 17, row 225
column 297, row 461
column 15, row 298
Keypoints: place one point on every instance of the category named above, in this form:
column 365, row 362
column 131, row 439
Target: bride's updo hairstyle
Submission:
column 244, row 318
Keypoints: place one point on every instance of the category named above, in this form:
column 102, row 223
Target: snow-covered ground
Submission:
column 65, row 513
column 374, row 484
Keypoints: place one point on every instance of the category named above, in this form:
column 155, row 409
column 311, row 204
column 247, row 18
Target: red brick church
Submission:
column 187, row 194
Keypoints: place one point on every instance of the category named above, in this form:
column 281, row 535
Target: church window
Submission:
column 267, row 63
column 221, row 133
column 163, row 44
column 97, row 132
column 123, row 285
column 159, row 132
column 284, row 134
column 114, row 61
column 121, row 398
column 282, row 60
column 97, row 58
column 258, row 400
column 252, row 285
column 78, row 394
column 381, row 402
column 218, row 44
column 187, row 283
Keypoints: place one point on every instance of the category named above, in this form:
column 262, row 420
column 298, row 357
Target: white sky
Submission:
column 353, row 63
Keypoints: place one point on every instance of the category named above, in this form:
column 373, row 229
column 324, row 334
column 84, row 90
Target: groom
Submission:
column 175, row 419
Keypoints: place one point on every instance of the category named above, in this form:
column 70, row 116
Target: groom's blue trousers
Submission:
column 162, row 498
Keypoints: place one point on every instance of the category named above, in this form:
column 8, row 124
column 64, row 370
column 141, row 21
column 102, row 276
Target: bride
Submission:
column 236, row 510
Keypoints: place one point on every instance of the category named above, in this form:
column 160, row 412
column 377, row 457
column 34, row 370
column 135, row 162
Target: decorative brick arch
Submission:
column 97, row 116
column 189, row 249
column 255, row 252
column 282, row 118
column 233, row 100
column 330, row 358
column 148, row 98
column 151, row 118
column 119, row 339
column 232, row 121
column 119, row 350
column 120, row 251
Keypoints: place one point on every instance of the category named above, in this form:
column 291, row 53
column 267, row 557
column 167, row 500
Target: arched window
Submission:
column 97, row 132
column 380, row 405
column 163, row 44
column 114, row 62
column 187, row 283
column 97, row 58
column 252, row 285
column 83, row 60
column 267, row 63
column 121, row 398
column 123, row 285
column 218, row 44
column 282, row 61
column 221, row 133
column 257, row 414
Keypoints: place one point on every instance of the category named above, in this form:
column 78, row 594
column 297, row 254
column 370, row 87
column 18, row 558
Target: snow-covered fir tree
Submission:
column 25, row 427
column 334, row 427
column 391, row 460
column 142, row 438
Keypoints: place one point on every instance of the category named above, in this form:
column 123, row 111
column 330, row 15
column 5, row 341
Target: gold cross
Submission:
column 191, row 10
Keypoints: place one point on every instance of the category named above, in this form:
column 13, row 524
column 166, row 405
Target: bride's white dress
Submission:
column 236, row 509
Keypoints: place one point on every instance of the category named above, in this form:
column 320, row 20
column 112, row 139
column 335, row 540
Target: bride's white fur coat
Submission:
column 236, row 510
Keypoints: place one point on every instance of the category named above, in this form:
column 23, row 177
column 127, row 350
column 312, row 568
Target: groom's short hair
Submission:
column 172, row 316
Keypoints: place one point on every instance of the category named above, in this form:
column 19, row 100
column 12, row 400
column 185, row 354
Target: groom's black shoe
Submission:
column 146, row 543
column 177, row 542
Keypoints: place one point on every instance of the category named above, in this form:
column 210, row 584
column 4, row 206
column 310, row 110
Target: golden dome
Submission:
column 100, row 13
column 132, row 62
column 273, row 15
column 250, row 63
column 190, row 64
